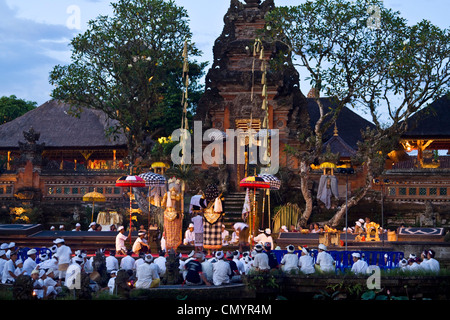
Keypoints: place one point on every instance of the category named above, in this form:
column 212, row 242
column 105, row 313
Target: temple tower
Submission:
column 233, row 87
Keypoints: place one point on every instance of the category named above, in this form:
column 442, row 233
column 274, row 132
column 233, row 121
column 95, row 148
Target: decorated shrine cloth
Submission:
column 212, row 234
column 173, row 232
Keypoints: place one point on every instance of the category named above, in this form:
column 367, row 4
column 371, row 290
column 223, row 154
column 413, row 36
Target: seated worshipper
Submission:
column 225, row 236
column 414, row 264
column 424, row 265
column 403, row 265
column 92, row 226
column 273, row 261
column 235, row 238
column 261, row 259
column 141, row 244
column 239, row 263
column 77, row 227
column 111, row 262
column 147, row 274
column 264, row 236
column 221, row 270
column 195, row 275
column 306, row 262
column 235, row 273
column 30, row 262
column 8, row 274
column 38, row 284
column 289, row 262
column 189, row 236
column 112, row 282
column 128, row 263
column 49, row 283
column 359, row 266
column 324, row 261
column 160, row 261
column 432, row 262
column 207, row 267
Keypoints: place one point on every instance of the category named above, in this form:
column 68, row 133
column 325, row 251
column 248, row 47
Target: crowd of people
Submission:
column 48, row 268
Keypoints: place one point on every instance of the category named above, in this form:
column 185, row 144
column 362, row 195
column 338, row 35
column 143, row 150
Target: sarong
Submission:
column 212, row 234
column 198, row 239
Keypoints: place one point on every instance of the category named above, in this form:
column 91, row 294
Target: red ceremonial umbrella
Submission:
column 254, row 182
column 131, row 182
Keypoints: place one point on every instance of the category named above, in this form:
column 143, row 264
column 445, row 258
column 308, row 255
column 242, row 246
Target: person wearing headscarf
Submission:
column 147, row 274
column 221, row 270
column 173, row 217
column 289, row 262
column 324, row 261
column 30, row 262
column 306, row 262
column 140, row 244
column 359, row 266
column 261, row 259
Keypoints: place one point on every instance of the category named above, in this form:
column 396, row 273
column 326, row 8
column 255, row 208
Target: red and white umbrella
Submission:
column 130, row 182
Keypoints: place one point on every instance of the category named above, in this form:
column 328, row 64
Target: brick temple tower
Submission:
column 233, row 99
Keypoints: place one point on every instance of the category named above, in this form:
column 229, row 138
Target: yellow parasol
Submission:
column 94, row 197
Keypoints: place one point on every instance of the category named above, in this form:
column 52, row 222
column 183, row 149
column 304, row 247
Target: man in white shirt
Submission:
column 128, row 262
column 30, row 263
column 77, row 227
column 306, row 262
column 289, row 262
column 8, row 275
column 120, row 240
column 189, row 236
column 140, row 244
column 261, row 260
column 359, row 266
column 225, row 236
column 147, row 274
column 221, row 270
column 64, row 255
column 161, row 263
column 433, row 264
column 324, row 260
column 111, row 262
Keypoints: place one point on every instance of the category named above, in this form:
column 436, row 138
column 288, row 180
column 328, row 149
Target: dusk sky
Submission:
column 35, row 34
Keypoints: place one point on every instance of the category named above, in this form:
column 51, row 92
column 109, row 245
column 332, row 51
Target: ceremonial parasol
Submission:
column 94, row 197
column 154, row 180
column 275, row 184
column 131, row 182
column 254, row 182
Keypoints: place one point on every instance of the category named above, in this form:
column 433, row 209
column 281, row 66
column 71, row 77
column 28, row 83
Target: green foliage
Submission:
column 130, row 66
column 12, row 107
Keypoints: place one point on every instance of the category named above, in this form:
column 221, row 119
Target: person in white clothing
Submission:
column 264, row 237
column 128, row 263
column 64, row 255
column 221, row 270
column 306, row 262
column 239, row 263
column 140, row 244
column 324, row 261
column 120, row 240
column 111, row 262
column 112, row 282
column 432, row 262
column 147, row 274
column 359, row 266
column 189, row 236
column 8, row 274
column 289, row 262
column 30, row 262
column 261, row 260
column 197, row 221
column 160, row 261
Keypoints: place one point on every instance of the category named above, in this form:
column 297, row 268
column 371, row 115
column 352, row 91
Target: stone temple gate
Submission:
column 233, row 88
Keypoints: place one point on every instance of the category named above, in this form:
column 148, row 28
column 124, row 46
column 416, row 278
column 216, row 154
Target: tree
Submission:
column 130, row 67
column 362, row 54
column 12, row 107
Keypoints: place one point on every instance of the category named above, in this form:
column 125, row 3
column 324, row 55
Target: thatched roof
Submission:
column 349, row 124
column 432, row 121
column 58, row 129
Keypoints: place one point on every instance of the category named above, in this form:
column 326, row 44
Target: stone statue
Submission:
column 172, row 275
